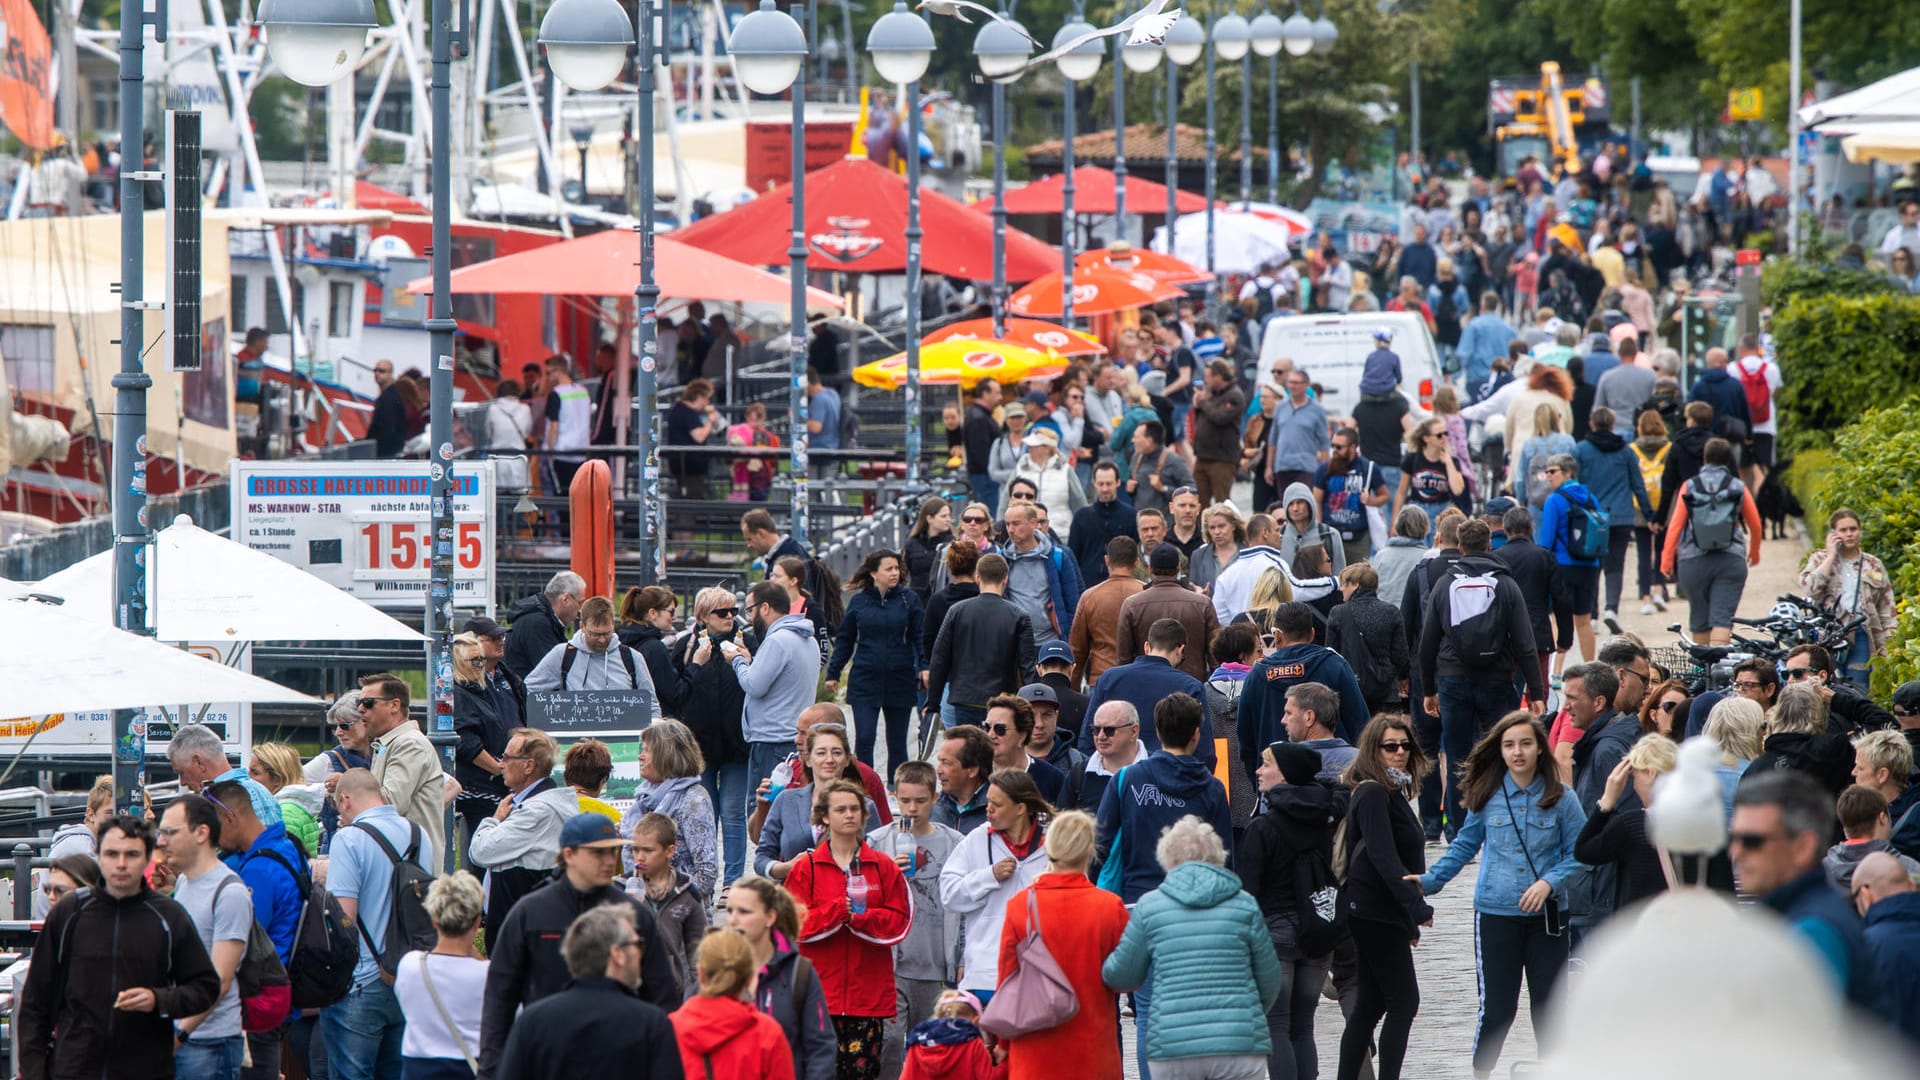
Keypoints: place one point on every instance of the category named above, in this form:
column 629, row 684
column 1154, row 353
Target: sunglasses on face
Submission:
column 1669, row 706
column 348, row 726
column 999, row 729
column 1750, row 684
column 1751, row 841
column 973, row 519
column 1184, row 489
column 725, row 612
column 1101, row 731
column 1395, row 747
column 1795, row 674
column 366, row 703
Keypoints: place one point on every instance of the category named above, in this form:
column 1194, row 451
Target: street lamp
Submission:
column 1185, row 39
column 1001, row 49
column 1141, row 59
column 1297, row 33
column 1324, row 33
column 768, row 49
column 1269, row 36
column 1077, row 65
column 583, row 139
column 316, row 42
column 901, row 44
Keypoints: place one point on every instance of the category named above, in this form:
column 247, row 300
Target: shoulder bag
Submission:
column 1550, row 913
column 1037, row 996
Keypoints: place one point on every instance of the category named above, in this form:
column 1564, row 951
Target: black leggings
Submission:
column 1389, row 989
column 1507, row 946
column 1615, row 564
column 1648, row 562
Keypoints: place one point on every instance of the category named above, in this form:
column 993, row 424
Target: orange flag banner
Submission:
column 26, row 75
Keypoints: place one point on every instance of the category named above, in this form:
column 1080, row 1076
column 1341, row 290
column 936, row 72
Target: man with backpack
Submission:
column 1475, row 634
column 275, row 873
column 378, row 870
column 525, row 963
column 1578, row 530
column 117, row 966
column 210, row 1044
column 1760, row 380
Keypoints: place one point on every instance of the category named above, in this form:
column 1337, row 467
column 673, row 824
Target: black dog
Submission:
column 1776, row 503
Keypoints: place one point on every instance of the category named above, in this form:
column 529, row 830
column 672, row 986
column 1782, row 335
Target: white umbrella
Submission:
column 1242, row 242
column 1892, row 98
column 52, row 662
column 209, row 588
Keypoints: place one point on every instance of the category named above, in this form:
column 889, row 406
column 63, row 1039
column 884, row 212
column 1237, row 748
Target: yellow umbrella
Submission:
column 962, row 363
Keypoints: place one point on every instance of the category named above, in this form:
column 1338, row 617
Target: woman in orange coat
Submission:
column 1081, row 925
column 721, row 1034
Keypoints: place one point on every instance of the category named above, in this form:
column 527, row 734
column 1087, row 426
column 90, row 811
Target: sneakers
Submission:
column 1660, row 603
column 1646, row 608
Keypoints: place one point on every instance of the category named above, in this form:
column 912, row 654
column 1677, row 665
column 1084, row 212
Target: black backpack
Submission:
column 1474, row 626
column 320, row 968
column 1317, row 910
column 409, row 927
column 566, row 665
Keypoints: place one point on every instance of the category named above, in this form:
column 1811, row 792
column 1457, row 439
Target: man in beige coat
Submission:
column 404, row 763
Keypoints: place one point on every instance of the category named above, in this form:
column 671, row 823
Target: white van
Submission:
column 1332, row 350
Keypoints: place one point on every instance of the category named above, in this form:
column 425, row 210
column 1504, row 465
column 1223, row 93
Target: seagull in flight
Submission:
column 958, row 9
column 1148, row 26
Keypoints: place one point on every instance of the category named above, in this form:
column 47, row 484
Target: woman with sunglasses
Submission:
column 1523, row 823
column 712, row 709
column 354, row 751
column 67, row 875
column 1429, row 477
column 976, row 528
column 1664, row 712
column 1383, row 845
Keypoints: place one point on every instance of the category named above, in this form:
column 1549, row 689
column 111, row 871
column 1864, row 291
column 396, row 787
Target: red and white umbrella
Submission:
column 1029, row 333
column 1095, row 292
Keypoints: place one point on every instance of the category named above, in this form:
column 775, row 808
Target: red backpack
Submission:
column 1759, row 394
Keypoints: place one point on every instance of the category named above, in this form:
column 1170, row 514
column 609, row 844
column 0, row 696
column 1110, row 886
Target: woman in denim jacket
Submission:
column 1517, row 903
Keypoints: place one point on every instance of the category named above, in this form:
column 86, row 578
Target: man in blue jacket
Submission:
column 1106, row 517
column 1146, row 799
column 272, row 867
column 1147, row 682
column 1718, row 388
column 1483, row 340
column 1263, row 697
column 1043, row 580
column 1582, row 576
column 1890, row 910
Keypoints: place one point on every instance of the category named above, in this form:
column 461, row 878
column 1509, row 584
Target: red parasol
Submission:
column 857, row 223
column 608, row 264
column 1095, row 292
column 1135, row 260
column 1093, row 193
column 1029, row 333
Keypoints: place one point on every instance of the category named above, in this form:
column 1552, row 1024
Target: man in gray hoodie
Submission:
column 1302, row 525
column 779, row 681
column 594, row 659
column 1041, row 580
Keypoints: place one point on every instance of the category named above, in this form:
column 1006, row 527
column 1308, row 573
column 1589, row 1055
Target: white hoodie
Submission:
column 968, row 888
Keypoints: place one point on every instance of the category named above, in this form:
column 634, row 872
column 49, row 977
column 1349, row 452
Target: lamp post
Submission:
column 769, row 49
column 1268, row 35
column 587, row 43
column 1001, row 51
column 1141, row 59
column 583, row 140
column 901, row 44
column 1185, row 39
column 1077, row 66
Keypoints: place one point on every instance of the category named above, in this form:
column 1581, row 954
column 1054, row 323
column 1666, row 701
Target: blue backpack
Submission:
column 1587, row 528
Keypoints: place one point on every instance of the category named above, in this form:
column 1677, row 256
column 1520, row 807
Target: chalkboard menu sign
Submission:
column 566, row 714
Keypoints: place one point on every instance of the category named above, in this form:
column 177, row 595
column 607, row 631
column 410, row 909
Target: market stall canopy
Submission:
column 1093, row 193
column 962, row 363
column 608, row 264
column 1095, row 292
column 1128, row 259
column 856, row 222
column 209, row 588
column 1243, row 241
column 1896, row 97
column 53, row 661
column 1892, row 141
column 1028, row 333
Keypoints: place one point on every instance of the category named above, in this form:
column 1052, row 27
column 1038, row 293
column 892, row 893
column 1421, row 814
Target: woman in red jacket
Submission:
column 857, row 910
column 1081, row 925
column 721, row 1034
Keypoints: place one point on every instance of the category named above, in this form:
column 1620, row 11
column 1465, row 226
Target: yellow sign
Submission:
column 1743, row 103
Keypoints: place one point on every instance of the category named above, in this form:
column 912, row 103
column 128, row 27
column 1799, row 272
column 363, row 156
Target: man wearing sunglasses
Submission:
column 1850, row 709
column 1782, row 822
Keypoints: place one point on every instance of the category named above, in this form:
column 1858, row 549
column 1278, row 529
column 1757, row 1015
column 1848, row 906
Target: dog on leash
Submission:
column 1776, row 503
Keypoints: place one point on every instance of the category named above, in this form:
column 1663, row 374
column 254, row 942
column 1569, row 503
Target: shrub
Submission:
column 1839, row 357
column 1872, row 470
column 1785, row 280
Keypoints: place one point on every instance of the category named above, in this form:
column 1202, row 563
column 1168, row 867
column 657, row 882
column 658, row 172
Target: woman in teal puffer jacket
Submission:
column 1214, row 971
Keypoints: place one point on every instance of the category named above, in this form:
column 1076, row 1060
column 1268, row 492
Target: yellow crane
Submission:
column 1551, row 112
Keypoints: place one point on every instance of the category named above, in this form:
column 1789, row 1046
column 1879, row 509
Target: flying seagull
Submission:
column 958, row 9
column 1148, row 26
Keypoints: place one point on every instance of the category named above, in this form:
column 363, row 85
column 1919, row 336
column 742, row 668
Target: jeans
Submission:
column 1858, row 656
column 308, row 1047
column 727, row 786
column 264, row 1047
column 968, row 714
column 1426, row 729
column 1295, row 1055
column 1505, row 946
column 985, row 490
column 1142, row 1004
column 210, row 1059
column 1469, row 706
column 1389, row 992
column 363, row 1034
column 866, row 722
column 1648, row 561
column 762, row 758
column 1614, row 566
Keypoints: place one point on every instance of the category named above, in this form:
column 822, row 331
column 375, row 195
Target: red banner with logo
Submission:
column 26, row 75
column 770, row 150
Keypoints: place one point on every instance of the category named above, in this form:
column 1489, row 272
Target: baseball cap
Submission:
column 1384, row 335
column 1034, row 397
column 591, row 831
column 1165, row 560
column 1054, row 652
column 1499, row 504
column 1906, row 698
column 1038, row 691
column 481, row 626
column 1041, row 436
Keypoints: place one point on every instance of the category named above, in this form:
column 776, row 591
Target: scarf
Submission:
column 665, row 797
column 943, row 1031
column 1401, row 778
column 1020, row 851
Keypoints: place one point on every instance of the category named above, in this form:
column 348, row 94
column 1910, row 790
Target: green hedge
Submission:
column 1785, row 280
column 1875, row 470
column 1839, row 357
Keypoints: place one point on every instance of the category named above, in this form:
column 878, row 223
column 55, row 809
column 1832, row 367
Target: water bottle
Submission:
column 904, row 844
column 782, row 776
column 856, row 891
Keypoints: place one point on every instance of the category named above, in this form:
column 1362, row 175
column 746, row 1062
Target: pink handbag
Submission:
column 1037, row 996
